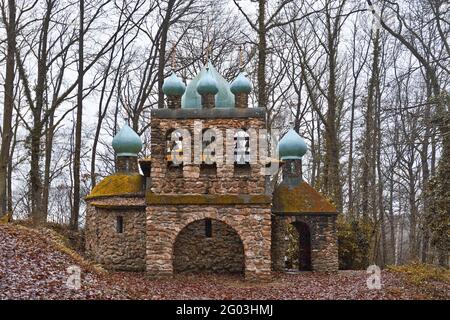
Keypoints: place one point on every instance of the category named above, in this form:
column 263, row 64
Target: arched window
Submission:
column 208, row 228
column 208, row 152
column 241, row 153
column 174, row 150
column 241, row 147
column 208, row 164
column 119, row 224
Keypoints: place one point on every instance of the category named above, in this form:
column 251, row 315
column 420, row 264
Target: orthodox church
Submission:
column 164, row 216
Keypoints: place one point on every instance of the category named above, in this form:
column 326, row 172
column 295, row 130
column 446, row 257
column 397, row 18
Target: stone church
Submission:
column 164, row 216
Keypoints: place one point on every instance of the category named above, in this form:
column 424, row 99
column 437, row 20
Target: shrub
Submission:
column 418, row 273
column 354, row 242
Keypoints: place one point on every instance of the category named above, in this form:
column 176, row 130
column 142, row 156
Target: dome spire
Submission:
column 223, row 99
column 173, row 58
column 241, row 85
column 241, row 59
column 292, row 146
column 173, row 87
column 207, row 87
column 207, row 84
column 127, row 143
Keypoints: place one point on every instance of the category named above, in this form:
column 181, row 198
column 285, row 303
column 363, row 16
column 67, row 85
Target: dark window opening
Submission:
column 174, row 169
column 242, row 169
column 146, row 167
column 208, row 169
column 241, row 148
column 304, row 246
column 242, row 153
column 208, row 228
column 119, row 224
column 208, row 152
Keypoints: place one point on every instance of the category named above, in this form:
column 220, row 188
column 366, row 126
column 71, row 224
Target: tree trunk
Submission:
column 47, row 167
column 412, row 214
column 368, row 160
column 262, row 47
column 425, row 175
column 380, row 198
column 8, row 106
column 77, row 156
column 36, row 132
column 350, row 153
column 331, row 170
column 35, row 174
column 392, row 221
column 10, row 164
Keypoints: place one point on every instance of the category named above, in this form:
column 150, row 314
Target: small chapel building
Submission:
column 164, row 216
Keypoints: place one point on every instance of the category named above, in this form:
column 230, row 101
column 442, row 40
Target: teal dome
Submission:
column 292, row 146
column 192, row 99
column 207, row 84
column 241, row 84
column 127, row 143
column 173, row 86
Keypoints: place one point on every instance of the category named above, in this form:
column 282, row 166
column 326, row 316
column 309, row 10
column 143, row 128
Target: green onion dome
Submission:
column 191, row 99
column 173, row 86
column 127, row 143
column 292, row 146
column 207, row 84
column 241, row 84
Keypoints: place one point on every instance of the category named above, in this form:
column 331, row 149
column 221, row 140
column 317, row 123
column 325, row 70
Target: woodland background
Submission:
column 370, row 96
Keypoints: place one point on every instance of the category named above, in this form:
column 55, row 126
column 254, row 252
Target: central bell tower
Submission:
column 207, row 204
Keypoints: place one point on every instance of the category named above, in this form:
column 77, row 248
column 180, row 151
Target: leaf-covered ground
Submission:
column 33, row 267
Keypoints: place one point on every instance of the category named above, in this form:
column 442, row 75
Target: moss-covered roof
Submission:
column 118, row 184
column 301, row 198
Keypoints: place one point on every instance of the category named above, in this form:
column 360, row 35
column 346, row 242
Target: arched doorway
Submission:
column 298, row 249
column 208, row 245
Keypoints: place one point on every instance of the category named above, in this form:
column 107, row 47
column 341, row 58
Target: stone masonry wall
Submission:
column 190, row 179
column 324, row 247
column 241, row 100
column 251, row 223
column 113, row 250
column 127, row 164
column 195, row 252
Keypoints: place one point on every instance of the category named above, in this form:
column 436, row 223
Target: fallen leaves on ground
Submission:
column 32, row 267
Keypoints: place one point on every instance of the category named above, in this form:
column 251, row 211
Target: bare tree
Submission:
column 9, row 19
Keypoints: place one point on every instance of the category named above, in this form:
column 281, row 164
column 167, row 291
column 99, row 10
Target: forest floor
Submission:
column 33, row 265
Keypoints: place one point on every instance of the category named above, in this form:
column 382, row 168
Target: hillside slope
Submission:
column 34, row 267
column 31, row 267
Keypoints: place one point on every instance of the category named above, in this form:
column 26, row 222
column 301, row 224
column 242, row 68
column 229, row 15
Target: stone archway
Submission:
column 208, row 245
column 304, row 246
column 298, row 250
